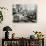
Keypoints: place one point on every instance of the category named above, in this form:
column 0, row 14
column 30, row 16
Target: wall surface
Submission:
column 23, row 29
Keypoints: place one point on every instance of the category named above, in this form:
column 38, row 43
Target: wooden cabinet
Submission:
column 23, row 42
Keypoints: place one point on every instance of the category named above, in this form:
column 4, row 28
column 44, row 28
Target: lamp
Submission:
column 7, row 28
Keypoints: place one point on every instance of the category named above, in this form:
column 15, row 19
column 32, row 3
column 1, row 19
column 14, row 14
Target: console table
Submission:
column 23, row 42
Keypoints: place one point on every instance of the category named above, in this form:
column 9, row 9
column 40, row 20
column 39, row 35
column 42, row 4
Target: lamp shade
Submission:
column 7, row 28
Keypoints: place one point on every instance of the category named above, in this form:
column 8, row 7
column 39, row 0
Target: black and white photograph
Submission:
column 24, row 12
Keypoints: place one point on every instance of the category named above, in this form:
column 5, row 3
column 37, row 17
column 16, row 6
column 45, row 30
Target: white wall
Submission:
column 23, row 29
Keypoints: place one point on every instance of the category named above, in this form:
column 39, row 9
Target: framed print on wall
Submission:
column 24, row 13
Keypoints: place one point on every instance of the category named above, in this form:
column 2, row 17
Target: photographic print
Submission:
column 24, row 13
